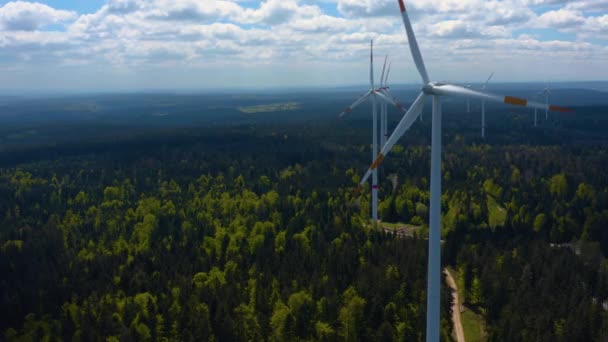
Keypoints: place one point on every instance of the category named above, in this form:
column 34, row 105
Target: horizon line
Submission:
column 229, row 89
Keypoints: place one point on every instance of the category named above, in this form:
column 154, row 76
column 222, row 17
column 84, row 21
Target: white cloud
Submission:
column 448, row 6
column 123, row 6
column 374, row 8
column 298, row 35
column 504, row 14
column 367, row 8
column 190, row 10
column 29, row 16
column 582, row 5
column 560, row 19
column 322, row 24
column 545, row 2
column 595, row 27
column 597, row 24
column 275, row 12
column 573, row 21
column 589, row 5
column 459, row 29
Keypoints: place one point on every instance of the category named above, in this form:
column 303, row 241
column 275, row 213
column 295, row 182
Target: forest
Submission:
column 251, row 230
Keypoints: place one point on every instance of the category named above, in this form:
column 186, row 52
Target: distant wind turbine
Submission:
column 386, row 90
column 376, row 94
column 436, row 91
column 546, row 92
column 483, row 108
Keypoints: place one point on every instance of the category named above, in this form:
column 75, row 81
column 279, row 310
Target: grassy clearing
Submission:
column 497, row 214
column 270, row 108
column 472, row 325
column 398, row 225
column 401, row 229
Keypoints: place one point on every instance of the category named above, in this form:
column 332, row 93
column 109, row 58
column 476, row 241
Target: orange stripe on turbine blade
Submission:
column 402, row 6
column 559, row 109
column 515, row 101
column 377, row 162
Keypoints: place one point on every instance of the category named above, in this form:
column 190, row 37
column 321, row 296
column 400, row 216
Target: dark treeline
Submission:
column 252, row 233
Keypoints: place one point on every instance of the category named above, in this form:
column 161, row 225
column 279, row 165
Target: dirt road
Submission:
column 455, row 307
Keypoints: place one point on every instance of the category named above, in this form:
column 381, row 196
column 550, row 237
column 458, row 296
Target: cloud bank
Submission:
column 139, row 43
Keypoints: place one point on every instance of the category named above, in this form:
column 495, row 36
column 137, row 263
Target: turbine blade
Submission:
column 387, row 93
column 411, row 38
column 371, row 65
column 406, row 122
column 383, row 69
column 454, row 90
column 355, row 104
column 387, row 73
column 488, row 81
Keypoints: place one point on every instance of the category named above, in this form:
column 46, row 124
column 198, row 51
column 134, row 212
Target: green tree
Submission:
column 558, row 185
column 351, row 316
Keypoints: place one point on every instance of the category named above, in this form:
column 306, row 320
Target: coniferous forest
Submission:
column 246, row 227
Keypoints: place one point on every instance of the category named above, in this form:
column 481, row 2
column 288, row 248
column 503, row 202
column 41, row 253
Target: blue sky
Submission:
column 193, row 44
column 80, row 6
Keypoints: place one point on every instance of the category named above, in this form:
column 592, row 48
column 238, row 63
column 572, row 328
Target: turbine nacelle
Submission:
column 432, row 88
column 428, row 89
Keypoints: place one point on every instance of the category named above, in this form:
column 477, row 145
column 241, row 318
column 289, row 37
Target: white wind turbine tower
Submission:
column 436, row 91
column 376, row 94
column 483, row 108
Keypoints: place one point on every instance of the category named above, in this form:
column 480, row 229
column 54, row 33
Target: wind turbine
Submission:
column 483, row 108
column 376, row 94
column 546, row 92
column 386, row 90
column 436, row 91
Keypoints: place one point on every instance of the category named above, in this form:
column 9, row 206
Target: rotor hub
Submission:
column 428, row 89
